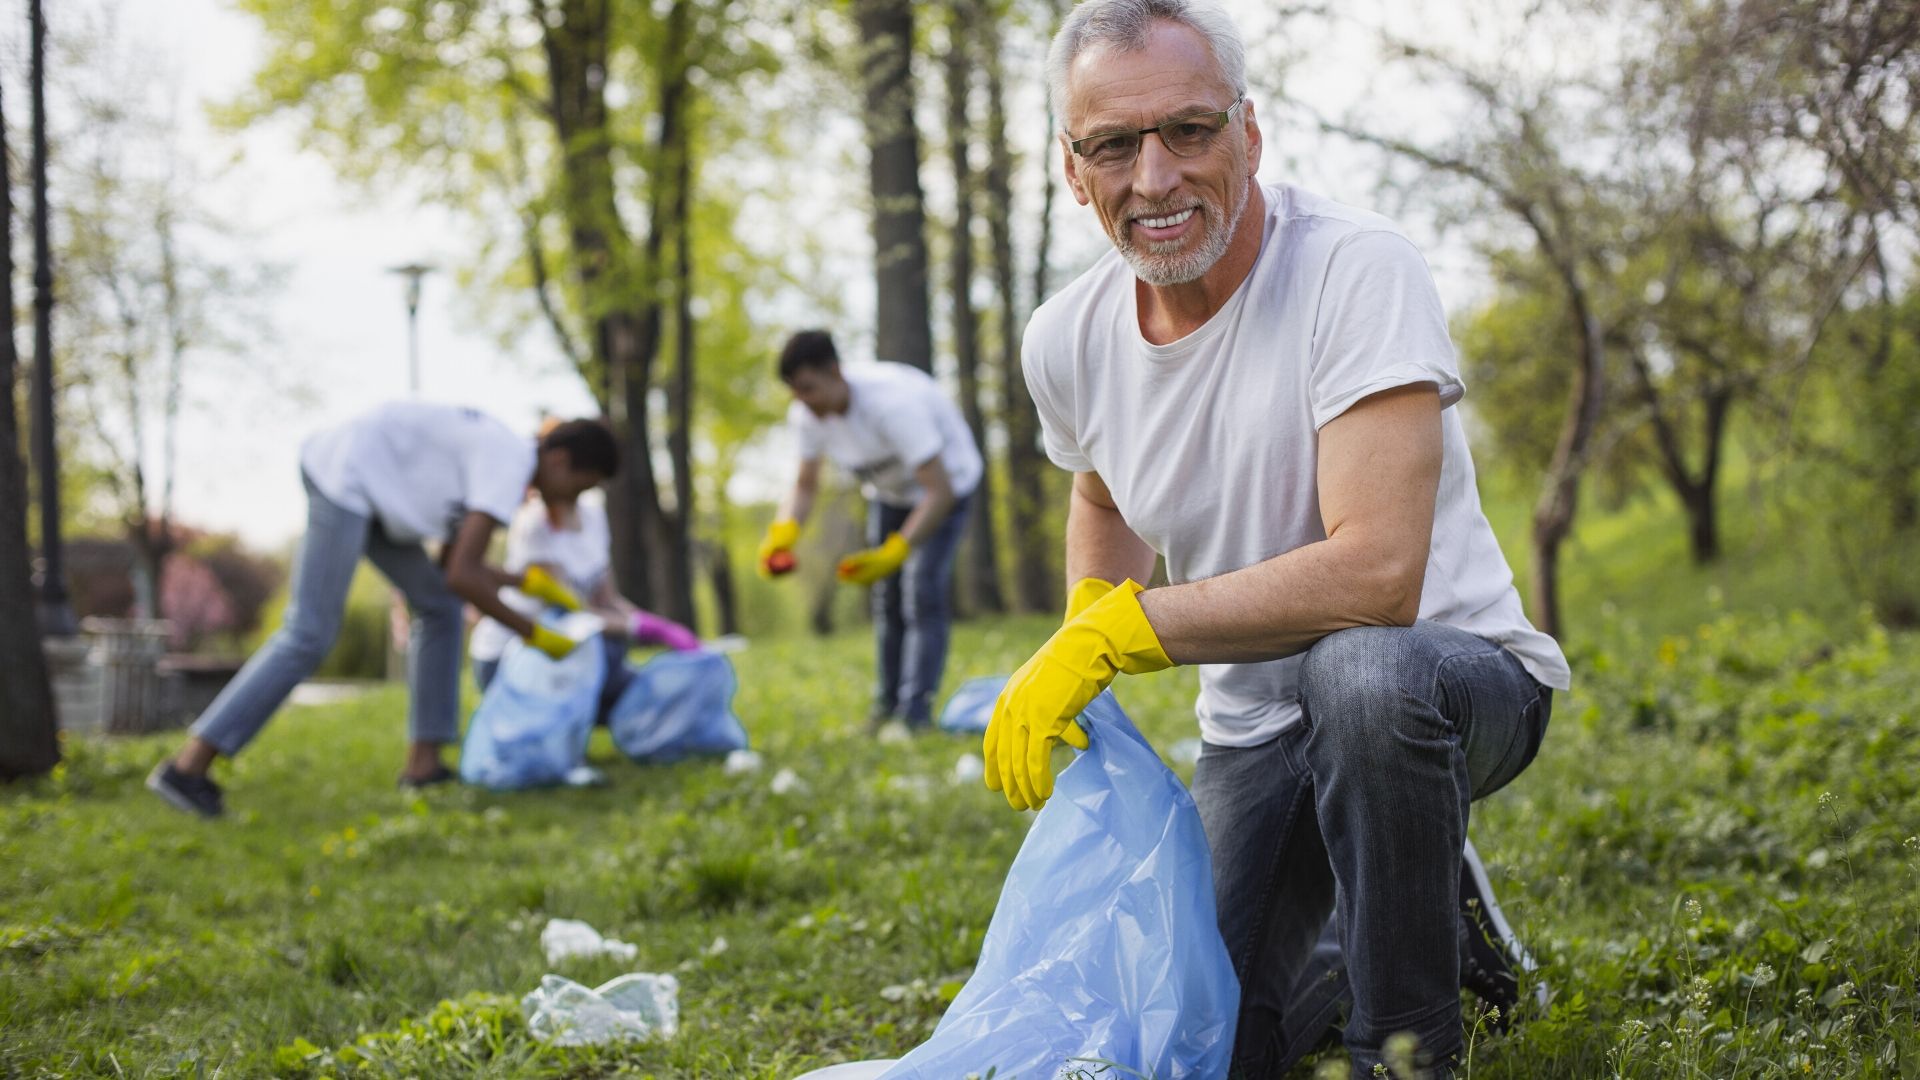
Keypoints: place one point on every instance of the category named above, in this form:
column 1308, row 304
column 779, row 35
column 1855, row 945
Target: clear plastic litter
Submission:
column 631, row 1007
column 971, row 706
column 786, row 782
column 742, row 762
column 1104, row 945
column 567, row 939
column 969, row 769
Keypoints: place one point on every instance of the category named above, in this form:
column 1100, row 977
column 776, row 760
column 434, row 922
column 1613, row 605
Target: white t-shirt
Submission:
column 896, row 421
column 1210, row 444
column 580, row 555
column 419, row 468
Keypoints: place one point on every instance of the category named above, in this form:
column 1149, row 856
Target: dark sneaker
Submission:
column 878, row 717
column 1489, row 951
column 440, row 775
column 194, row 794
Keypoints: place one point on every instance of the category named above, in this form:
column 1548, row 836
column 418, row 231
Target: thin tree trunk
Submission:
column 904, row 330
column 983, row 555
column 680, row 397
column 1037, row 585
column 625, row 341
column 56, row 612
column 29, row 729
column 1553, row 514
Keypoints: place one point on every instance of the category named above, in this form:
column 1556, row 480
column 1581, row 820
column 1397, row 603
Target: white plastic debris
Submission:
column 726, row 643
column 584, row 776
column 1185, row 752
column 742, row 762
column 893, row 733
column 638, row 1006
column 564, row 939
column 786, row 782
column 969, row 769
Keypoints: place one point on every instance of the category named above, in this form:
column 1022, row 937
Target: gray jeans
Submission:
column 1360, row 810
column 335, row 540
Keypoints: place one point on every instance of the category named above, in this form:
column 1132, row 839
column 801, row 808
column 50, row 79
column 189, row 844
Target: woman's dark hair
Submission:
column 807, row 349
column 589, row 444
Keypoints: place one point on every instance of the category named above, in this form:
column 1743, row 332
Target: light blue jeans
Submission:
column 1360, row 811
column 335, row 540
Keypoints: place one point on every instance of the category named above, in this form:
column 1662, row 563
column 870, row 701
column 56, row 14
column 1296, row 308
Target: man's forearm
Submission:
column 1101, row 545
column 797, row 505
column 926, row 516
column 480, row 586
column 1282, row 606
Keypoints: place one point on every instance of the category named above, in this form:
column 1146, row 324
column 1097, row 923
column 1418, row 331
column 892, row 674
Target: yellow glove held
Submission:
column 550, row 641
column 1084, row 592
column 1042, row 699
column 779, row 541
column 869, row 566
column 547, row 589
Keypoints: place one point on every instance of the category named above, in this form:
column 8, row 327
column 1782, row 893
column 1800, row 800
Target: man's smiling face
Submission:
column 1171, row 217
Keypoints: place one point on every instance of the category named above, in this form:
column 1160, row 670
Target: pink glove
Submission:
column 651, row 629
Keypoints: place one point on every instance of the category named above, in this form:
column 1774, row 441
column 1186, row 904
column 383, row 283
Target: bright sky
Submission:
column 341, row 320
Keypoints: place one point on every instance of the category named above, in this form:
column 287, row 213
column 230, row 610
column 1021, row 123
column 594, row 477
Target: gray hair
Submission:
column 1124, row 25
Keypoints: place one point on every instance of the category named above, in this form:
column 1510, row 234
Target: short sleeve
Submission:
column 1057, row 433
column 499, row 467
column 1379, row 325
column 806, row 431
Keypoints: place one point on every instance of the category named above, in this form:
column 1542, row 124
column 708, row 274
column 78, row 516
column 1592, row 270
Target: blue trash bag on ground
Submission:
column 532, row 726
column 1104, row 945
column 677, row 705
column 971, row 706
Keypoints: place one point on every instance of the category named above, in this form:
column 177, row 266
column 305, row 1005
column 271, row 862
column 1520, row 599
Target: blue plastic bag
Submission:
column 677, row 705
column 1104, row 945
column 533, row 724
column 971, row 706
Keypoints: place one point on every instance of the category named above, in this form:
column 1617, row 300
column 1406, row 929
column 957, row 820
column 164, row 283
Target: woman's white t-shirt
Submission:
column 1210, row 444
column 580, row 555
column 897, row 420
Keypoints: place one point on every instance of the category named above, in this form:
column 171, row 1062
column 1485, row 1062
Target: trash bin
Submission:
column 128, row 652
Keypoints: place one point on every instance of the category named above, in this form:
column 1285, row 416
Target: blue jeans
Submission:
column 1360, row 810
column 913, row 613
column 335, row 540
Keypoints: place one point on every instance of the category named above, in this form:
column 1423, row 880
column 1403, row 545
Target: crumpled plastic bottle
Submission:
column 631, row 1007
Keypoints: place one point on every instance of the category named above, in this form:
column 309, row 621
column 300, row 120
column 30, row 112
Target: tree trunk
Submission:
column 56, row 612
column 1037, row 584
column 1553, row 514
column 983, row 555
column 677, row 159
column 29, row 730
column 904, row 324
column 624, row 341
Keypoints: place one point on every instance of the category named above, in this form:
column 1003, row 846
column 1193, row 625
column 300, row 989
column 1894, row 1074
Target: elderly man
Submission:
column 1256, row 384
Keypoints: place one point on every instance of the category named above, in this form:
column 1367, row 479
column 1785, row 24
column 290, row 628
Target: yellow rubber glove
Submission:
column 776, row 550
column 1038, row 707
column 547, row 589
column 550, row 641
column 1084, row 592
column 869, row 566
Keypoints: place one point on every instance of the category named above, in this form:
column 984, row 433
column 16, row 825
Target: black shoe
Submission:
column 878, row 717
column 440, row 775
column 1489, row 951
column 194, row 794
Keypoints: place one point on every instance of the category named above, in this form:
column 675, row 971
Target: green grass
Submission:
column 1715, row 856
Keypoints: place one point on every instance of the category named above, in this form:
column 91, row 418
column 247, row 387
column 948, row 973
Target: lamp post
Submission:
column 413, row 272
column 56, row 613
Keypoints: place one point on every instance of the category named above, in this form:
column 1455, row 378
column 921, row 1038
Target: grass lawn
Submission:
column 1715, row 856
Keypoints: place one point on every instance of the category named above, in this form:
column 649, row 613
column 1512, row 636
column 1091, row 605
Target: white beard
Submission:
column 1168, row 266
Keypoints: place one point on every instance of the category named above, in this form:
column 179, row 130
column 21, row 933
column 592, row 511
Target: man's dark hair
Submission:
column 589, row 444
column 807, row 349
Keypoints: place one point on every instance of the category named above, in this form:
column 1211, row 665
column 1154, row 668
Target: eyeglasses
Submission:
column 1187, row 136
